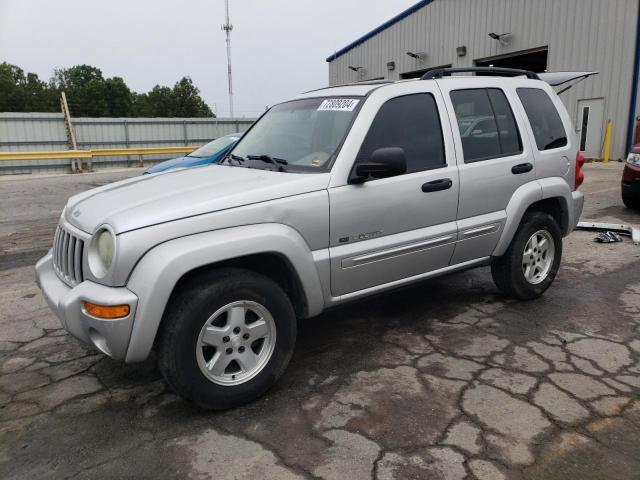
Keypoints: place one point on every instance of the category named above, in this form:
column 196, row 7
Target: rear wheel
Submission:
column 227, row 337
column 531, row 262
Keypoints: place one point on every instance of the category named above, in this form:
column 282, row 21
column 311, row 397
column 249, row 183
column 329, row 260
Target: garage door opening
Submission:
column 535, row 60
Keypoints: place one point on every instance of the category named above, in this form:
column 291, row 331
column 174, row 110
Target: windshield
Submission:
column 211, row 148
column 301, row 135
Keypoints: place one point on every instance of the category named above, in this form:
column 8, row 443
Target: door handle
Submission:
column 437, row 185
column 522, row 168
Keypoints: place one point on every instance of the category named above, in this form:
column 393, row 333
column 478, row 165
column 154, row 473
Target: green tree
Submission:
column 156, row 103
column 183, row 100
column 38, row 96
column 85, row 89
column 24, row 93
column 187, row 101
column 119, row 97
column 90, row 94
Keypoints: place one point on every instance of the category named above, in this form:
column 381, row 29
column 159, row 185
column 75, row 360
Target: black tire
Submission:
column 186, row 315
column 507, row 270
column 632, row 202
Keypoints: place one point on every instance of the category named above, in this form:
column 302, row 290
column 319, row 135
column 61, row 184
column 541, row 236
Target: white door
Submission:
column 590, row 125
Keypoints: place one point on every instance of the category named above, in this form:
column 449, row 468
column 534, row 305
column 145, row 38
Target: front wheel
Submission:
column 226, row 338
column 531, row 262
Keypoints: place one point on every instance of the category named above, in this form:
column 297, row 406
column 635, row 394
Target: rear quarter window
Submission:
column 545, row 121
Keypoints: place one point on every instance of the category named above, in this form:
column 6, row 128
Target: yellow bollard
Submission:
column 607, row 142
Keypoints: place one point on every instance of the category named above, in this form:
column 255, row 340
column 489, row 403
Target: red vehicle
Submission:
column 631, row 179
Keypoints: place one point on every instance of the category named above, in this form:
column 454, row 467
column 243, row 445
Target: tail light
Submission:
column 579, row 172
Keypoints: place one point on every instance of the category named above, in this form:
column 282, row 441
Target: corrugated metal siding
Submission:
column 580, row 34
column 46, row 131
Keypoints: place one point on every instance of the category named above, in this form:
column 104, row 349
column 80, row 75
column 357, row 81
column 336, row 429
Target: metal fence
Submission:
column 21, row 132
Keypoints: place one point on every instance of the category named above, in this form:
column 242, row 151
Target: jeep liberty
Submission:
column 336, row 194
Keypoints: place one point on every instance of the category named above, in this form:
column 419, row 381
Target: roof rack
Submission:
column 353, row 84
column 497, row 72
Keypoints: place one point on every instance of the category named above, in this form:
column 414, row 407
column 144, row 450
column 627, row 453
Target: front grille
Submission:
column 67, row 256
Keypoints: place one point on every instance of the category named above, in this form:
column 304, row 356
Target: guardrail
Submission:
column 79, row 155
column 101, row 152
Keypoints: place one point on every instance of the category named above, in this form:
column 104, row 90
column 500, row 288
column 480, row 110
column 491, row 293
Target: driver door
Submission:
column 386, row 231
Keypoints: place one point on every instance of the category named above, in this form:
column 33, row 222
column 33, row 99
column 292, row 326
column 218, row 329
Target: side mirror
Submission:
column 384, row 163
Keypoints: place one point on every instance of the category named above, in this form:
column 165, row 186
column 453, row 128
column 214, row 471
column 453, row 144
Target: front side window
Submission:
column 546, row 124
column 486, row 123
column 301, row 135
column 410, row 122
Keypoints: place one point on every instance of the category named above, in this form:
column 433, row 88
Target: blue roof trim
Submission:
column 381, row 28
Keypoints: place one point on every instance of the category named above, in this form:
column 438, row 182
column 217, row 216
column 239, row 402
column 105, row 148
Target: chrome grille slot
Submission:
column 67, row 256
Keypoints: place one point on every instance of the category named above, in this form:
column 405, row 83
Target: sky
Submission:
column 279, row 47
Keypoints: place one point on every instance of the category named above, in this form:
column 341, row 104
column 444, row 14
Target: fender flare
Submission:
column 528, row 194
column 555, row 187
column 157, row 273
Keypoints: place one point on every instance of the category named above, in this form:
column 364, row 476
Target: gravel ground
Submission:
column 444, row 380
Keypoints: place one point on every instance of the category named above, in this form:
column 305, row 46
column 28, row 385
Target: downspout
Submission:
column 634, row 88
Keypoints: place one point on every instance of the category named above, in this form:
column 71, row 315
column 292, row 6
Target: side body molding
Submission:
column 157, row 273
column 528, row 194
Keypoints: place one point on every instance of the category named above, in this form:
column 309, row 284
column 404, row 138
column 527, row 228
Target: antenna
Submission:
column 227, row 27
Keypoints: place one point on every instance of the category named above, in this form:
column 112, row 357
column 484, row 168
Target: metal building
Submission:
column 551, row 35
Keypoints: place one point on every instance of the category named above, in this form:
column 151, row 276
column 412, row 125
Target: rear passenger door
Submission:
column 494, row 160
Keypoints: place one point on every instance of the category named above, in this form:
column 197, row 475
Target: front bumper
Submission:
column 109, row 336
column 631, row 188
column 631, row 180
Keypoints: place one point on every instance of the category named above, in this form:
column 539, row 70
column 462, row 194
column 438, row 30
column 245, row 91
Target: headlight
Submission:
column 102, row 252
column 634, row 159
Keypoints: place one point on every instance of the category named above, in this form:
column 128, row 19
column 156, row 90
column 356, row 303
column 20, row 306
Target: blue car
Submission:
column 205, row 155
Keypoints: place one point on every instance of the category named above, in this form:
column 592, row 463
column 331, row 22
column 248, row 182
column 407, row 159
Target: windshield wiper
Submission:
column 268, row 159
column 237, row 158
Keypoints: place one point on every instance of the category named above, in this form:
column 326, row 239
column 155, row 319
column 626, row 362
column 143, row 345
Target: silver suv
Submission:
column 339, row 193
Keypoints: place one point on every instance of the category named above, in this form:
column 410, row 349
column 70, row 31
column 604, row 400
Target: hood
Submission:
column 151, row 199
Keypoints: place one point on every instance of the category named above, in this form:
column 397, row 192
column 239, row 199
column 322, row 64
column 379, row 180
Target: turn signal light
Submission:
column 108, row 312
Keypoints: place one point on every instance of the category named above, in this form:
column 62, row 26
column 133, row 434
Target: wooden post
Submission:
column 76, row 163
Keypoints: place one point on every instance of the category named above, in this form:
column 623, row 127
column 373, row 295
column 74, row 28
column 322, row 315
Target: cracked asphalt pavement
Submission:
column 446, row 380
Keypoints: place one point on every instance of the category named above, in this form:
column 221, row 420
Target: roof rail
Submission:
column 353, row 84
column 498, row 72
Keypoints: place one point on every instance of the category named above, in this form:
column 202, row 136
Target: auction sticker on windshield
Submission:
column 338, row 105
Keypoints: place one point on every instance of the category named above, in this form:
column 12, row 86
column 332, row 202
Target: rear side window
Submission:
column 486, row 123
column 547, row 127
column 412, row 123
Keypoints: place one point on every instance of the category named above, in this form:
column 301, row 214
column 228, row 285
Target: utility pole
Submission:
column 227, row 27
